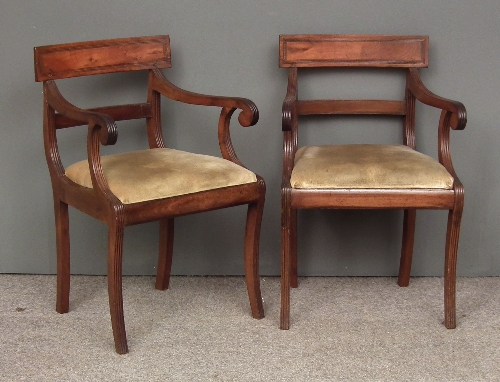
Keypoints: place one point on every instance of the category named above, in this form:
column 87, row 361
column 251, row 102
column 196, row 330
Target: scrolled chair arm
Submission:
column 108, row 132
column 458, row 118
column 248, row 116
column 102, row 129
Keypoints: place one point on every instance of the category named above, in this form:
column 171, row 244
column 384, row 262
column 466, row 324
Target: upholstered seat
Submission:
column 162, row 173
column 364, row 166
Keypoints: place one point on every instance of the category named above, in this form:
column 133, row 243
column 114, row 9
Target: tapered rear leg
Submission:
column 293, row 249
column 252, row 238
column 63, row 258
column 115, row 252
column 165, row 253
column 450, row 272
column 286, row 266
column 407, row 247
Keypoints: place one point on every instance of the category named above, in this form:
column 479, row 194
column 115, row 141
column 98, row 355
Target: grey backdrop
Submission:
column 231, row 48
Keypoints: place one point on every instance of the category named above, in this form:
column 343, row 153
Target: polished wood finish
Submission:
column 410, row 52
column 98, row 57
column 117, row 113
column 165, row 253
column 373, row 198
column 409, row 220
column 337, row 50
column 350, row 107
column 122, row 55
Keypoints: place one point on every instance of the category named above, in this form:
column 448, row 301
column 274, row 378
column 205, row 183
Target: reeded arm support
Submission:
column 108, row 133
column 102, row 129
column 288, row 110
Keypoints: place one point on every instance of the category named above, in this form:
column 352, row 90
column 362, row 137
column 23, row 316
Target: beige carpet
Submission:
column 342, row 329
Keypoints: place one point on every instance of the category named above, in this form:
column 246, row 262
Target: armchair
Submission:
column 158, row 183
column 367, row 176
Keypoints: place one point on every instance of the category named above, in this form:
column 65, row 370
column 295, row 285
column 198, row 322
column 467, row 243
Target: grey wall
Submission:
column 231, row 48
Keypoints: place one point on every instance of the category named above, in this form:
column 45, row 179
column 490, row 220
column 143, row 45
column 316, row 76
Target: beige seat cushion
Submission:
column 160, row 173
column 366, row 167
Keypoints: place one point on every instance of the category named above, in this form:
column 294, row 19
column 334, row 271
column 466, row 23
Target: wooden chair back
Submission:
column 55, row 62
column 337, row 51
column 99, row 57
column 307, row 51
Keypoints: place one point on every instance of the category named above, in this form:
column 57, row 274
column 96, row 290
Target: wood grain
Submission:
column 350, row 107
column 98, row 57
column 350, row 50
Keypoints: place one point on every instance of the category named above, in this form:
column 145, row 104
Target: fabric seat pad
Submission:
column 160, row 173
column 367, row 166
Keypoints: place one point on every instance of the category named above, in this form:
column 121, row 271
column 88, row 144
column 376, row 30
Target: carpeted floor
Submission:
column 342, row 329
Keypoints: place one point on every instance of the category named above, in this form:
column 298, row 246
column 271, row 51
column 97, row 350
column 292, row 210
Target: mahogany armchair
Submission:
column 158, row 183
column 362, row 176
